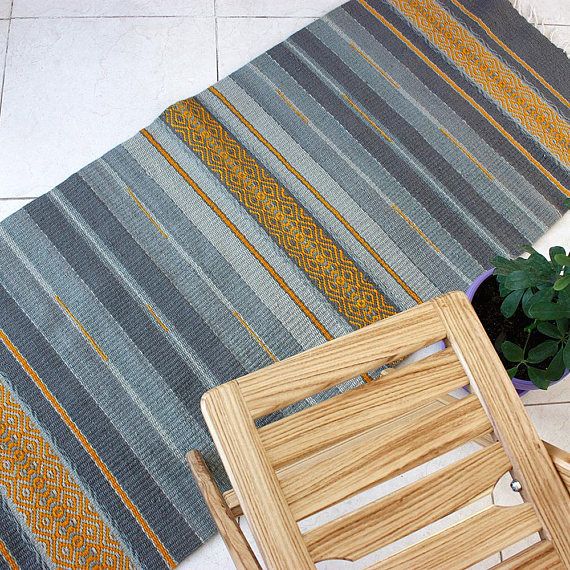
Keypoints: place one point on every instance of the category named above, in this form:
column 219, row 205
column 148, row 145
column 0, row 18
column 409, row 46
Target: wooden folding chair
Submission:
column 308, row 461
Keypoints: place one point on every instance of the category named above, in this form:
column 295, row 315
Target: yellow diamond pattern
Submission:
column 45, row 493
column 277, row 211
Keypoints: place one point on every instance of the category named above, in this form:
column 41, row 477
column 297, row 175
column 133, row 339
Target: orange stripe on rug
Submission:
column 88, row 447
column 468, row 98
column 186, row 177
column 12, row 564
column 317, row 195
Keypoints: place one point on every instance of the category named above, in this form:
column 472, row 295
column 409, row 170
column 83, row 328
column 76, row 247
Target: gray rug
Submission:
column 376, row 159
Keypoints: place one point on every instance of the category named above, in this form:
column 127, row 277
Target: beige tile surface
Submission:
column 545, row 11
column 81, row 8
column 289, row 8
column 559, row 35
column 242, row 39
column 8, row 207
column 74, row 88
column 5, row 7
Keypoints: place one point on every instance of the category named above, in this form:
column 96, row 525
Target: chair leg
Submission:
column 237, row 545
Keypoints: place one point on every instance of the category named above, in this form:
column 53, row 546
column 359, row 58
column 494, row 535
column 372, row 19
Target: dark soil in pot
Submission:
column 487, row 303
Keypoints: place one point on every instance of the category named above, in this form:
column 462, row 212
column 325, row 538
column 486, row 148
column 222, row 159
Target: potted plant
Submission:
column 524, row 305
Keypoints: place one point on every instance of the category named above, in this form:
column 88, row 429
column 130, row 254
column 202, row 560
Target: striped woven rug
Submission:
column 375, row 159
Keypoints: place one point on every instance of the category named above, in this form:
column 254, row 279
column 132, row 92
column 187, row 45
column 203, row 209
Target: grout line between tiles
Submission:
column 7, row 198
column 3, row 79
column 217, row 49
column 123, row 17
column 546, row 404
column 95, row 17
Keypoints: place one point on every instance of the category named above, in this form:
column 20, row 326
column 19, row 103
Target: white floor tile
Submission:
column 5, row 7
column 76, row 88
column 67, row 8
column 552, row 422
column 559, row 35
column 289, row 8
column 554, row 394
column 212, row 555
column 504, row 496
column 545, row 11
column 8, row 207
column 242, row 39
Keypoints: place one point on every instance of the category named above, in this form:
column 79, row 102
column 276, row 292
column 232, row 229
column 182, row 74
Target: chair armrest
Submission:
column 561, row 460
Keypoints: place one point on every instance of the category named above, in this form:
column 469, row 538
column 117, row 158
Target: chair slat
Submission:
column 341, row 359
column 539, row 556
column 402, row 422
column 339, row 472
column 532, row 465
column 417, row 505
column 254, row 480
column 342, row 416
column 467, row 542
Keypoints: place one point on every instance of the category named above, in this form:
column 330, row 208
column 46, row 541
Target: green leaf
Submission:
column 513, row 352
column 548, row 311
column 503, row 266
column 527, row 296
column 562, row 325
column 566, row 203
column 556, row 367
column 518, row 280
column 537, row 262
column 538, row 377
column 554, row 251
column 562, row 259
column 545, row 294
column 512, row 371
column 542, row 351
column 566, row 354
column 511, row 302
column 549, row 329
column 561, row 283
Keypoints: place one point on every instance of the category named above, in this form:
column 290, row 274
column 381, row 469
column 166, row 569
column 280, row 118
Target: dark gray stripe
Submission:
column 203, row 253
column 397, row 19
column 456, row 185
column 364, row 194
column 383, row 152
column 459, row 105
column 100, row 433
column 529, row 44
column 499, row 51
column 150, row 278
column 137, row 324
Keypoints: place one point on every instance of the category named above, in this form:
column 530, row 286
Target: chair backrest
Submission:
column 288, row 470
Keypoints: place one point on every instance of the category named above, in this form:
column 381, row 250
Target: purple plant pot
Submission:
column 521, row 386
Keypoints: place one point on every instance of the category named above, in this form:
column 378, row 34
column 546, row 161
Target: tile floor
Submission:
column 79, row 77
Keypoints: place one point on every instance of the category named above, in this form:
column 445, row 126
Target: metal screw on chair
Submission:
column 516, row 486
